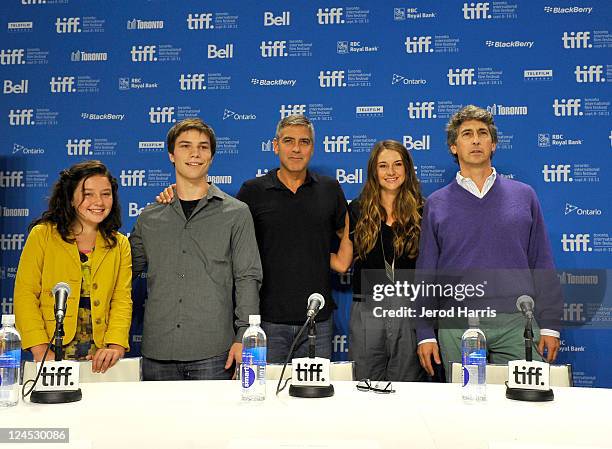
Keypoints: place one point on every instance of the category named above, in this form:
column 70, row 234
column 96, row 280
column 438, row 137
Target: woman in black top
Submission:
column 383, row 240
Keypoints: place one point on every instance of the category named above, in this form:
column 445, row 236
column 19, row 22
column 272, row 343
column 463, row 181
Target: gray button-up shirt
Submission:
column 193, row 265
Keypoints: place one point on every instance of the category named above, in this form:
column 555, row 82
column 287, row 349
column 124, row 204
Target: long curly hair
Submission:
column 63, row 214
column 406, row 207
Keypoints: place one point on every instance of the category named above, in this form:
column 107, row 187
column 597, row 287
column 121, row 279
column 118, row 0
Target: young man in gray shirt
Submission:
column 196, row 249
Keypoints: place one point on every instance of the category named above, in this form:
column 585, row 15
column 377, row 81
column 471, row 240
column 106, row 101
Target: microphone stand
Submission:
column 59, row 340
column 312, row 338
column 528, row 335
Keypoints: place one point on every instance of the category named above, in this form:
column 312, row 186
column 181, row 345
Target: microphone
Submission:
column 525, row 304
column 315, row 303
column 61, row 291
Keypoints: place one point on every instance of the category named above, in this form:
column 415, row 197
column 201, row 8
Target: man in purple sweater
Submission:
column 482, row 221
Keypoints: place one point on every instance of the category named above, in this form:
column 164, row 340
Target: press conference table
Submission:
column 209, row 414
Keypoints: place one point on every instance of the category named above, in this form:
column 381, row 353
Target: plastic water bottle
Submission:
column 474, row 362
column 253, row 368
column 10, row 362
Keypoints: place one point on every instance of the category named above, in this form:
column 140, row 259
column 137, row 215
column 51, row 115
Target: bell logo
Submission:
column 15, row 88
column 11, row 242
column 143, row 53
column 192, row 81
column 569, row 107
column 589, row 74
column 226, row 52
column 421, row 110
column 271, row 20
column 201, row 21
column 576, row 243
column 336, row 144
column 133, row 178
column 273, row 49
column 417, row 144
column 557, row 173
column 418, row 44
column 67, row 25
column 576, row 39
column 292, row 109
column 20, row 117
column 134, row 210
column 160, row 114
column 331, row 78
column 330, row 16
column 461, row 77
column 476, row 11
column 11, row 179
column 12, row 57
column 355, row 177
column 62, row 84
column 80, row 147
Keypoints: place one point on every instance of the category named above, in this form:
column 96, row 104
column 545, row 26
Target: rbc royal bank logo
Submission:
column 13, row 56
column 461, row 77
column 161, row 114
column 576, row 39
column 192, row 81
column 557, row 173
column 21, row 117
column 421, row 110
column 330, row 16
column 567, row 107
column 226, row 52
column 337, row 144
column 67, row 25
column 133, row 178
column 144, row 53
column 292, row 109
column 418, row 44
column 78, row 147
column 476, row 11
column 332, row 78
column 273, row 49
column 589, row 74
column 271, row 20
column 200, row 21
column 11, row 179
column 576, row 243
column 62, row 84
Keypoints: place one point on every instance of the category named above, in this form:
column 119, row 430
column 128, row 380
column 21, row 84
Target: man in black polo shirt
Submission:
column 296, row 214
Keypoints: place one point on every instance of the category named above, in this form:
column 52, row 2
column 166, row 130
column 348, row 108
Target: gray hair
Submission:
column 295, row 120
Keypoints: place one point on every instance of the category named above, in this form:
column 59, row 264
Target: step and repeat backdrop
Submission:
column 107, row 79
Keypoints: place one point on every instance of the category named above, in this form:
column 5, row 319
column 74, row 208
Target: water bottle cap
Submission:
column 254, row 320
column 8, row 320
column 473, row 321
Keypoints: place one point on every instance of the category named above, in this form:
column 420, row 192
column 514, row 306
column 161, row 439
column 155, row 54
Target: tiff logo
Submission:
column 20, row 117
column 292, row 109
column 15, row 88
column 330, row 16
column 11, row 57
column 336, row 144
column 573, row 312
column 271, row 20
column 273, row 49
column 309, row 372
column 201, row 21
column 62, row 84
column 589, row 74
column 61, row 378
column 527, row 376
column 569, row 107
column 461, row 77
column 340, row 343
column 143, row 53
column 67, row 25
column 557, row 173
column 78, row 147
column 11, row 179
column 576, row 39
column 192, row 81
column 163, row 114
column 476, row 11
column 331, row 78
column 132, row 178
column 421, row 110
column 578, row 243
column 11, row 242
column 418, row 44
column 226, row 52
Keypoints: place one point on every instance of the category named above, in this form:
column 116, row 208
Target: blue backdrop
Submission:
column 105, row 80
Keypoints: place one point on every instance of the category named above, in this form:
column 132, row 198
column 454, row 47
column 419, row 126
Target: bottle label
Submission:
column 251, row 359
column 10, row 359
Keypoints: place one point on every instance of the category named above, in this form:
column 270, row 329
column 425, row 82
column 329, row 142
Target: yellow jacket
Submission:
column 46, row 259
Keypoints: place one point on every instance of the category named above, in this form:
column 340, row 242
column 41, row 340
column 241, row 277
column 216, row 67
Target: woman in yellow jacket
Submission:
column 77, row 241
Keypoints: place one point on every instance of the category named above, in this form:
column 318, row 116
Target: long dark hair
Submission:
column 62, row 213
column 406, row 207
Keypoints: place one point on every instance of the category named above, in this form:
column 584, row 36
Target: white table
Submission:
column 209, row 414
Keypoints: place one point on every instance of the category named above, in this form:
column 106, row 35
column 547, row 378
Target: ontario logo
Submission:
column 228, row 114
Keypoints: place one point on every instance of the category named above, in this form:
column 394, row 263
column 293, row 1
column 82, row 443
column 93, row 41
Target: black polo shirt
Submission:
column 294, row 234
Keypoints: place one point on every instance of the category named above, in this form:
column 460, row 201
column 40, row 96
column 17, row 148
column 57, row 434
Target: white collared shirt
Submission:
column 471, row 186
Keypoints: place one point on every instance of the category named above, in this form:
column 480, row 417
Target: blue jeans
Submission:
column 280, row 337
column 212, row 368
